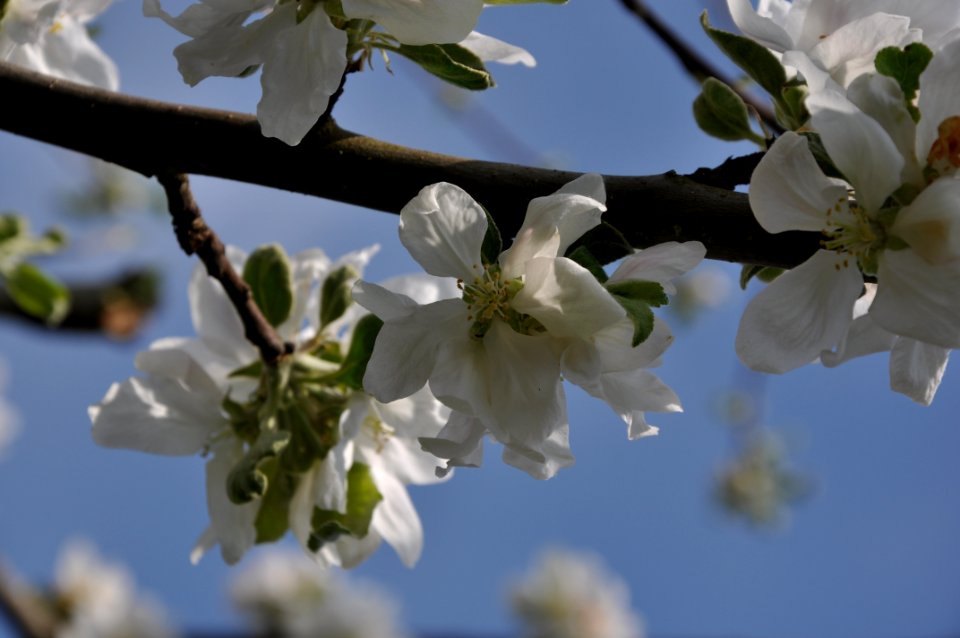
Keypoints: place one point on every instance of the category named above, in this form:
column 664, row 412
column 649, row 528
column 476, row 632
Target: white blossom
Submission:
column 176, row 410
column 50, row 36
column 572, row 595
column 495, row 356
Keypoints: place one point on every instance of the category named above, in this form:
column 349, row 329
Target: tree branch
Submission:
column 154, row 137
column 196, row 238
column 23, row 609
column 695, row 64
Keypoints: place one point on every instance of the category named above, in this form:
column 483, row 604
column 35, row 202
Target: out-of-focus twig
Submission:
column 695, row 64
column 196, row 238
column 23, row 608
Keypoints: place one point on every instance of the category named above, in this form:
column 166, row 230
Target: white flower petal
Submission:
column 931, row 223
column 214, row 317
column 419, row 21
column 395, row 519
column 546, row 460
column 916, row 369
column 788, row 191
column 803, row 312
column 661, row 263
column 760, row 28
column 493, row 50
column 863, row 337
column 566, row 298
column 460, row 442
column 939, row 96
column 232, row 524
column 918, row 300
column 443, row 228
column 849, row 51
column 301, row 70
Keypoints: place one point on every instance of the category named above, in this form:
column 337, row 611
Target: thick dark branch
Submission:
column 695, row 64
column 196, row 238
column 154, row 137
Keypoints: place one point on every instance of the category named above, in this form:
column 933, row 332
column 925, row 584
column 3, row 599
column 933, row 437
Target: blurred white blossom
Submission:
column 100, row 600
column 285, row 594
column 572, row 595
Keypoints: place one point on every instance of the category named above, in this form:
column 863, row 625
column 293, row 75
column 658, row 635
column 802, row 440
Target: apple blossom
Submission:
column 50, row 36
column 526, row 316
column 294, row 447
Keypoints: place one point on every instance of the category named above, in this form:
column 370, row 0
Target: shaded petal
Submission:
column 420, row 414
column 760, row 28
column 803, row 312
column 493, row 50
column 918, row 300
column 788, row 191
column 916, row 369
column 443, row 228
column 301, row 70
column 859, row 147
column 566, row 298
column 849, row 51
column 69, row 53
column 210, row 15
column 931, row 223
column 546, row 460
column 661, row 263
column 419, row 21
column 395, row 518
column 214, row 318
column 939, row 96
column 460, row 442
column 404, row 355
column 232, row 524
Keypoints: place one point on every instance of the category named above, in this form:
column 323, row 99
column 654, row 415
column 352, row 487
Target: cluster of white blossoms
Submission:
column 299, row 446
column 874, row 169
column 526, row 318
column 98, row 599
column 572, row 595
column 303, row 47
column 283, row 595
column 50, row 36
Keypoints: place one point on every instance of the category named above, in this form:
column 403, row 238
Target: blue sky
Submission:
column 873, row 552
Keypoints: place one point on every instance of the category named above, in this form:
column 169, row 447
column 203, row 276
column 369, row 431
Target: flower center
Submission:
column 488, row 299
column 944, row 156
column 379, row 431
column 851, row 231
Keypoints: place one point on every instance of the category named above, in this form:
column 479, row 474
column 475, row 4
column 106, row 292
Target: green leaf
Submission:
column 361, row 347
column 754, row 58
column 792, row 107
column 314, row 431
column 37, row 294
column 636, row 297
column 250, row 371
column 362, row 498
column 247, row 480
column 335, row 295
column 273, row 516
column 449, row 62
column 267, row 272
column 905, row 66
column 649, row 292
column 720, row 112
column 11, row 226
column 585, row 258
column 765, row 274
column 492, row 244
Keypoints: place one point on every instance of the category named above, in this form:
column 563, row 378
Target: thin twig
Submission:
column 196, row 238
column 23, row 609
column 695, row 64
column 151, row 137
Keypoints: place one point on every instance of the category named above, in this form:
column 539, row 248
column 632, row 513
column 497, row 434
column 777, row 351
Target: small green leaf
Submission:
column 11, row 226
column 585, row 258
column 792, row 107
column 267, row 272
column 721, row 113
column 492, row 244
column 649, row 292
column 37, row 294
column 905, row 66
column 250, row 371
column 361, row 347
column 765, row 274
column 273, row 515
column 247, row 479
column 642, row 317
column 450, row 62
column 335, row 295
column 754, row 58
column 314, row 431
column 362, row 498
